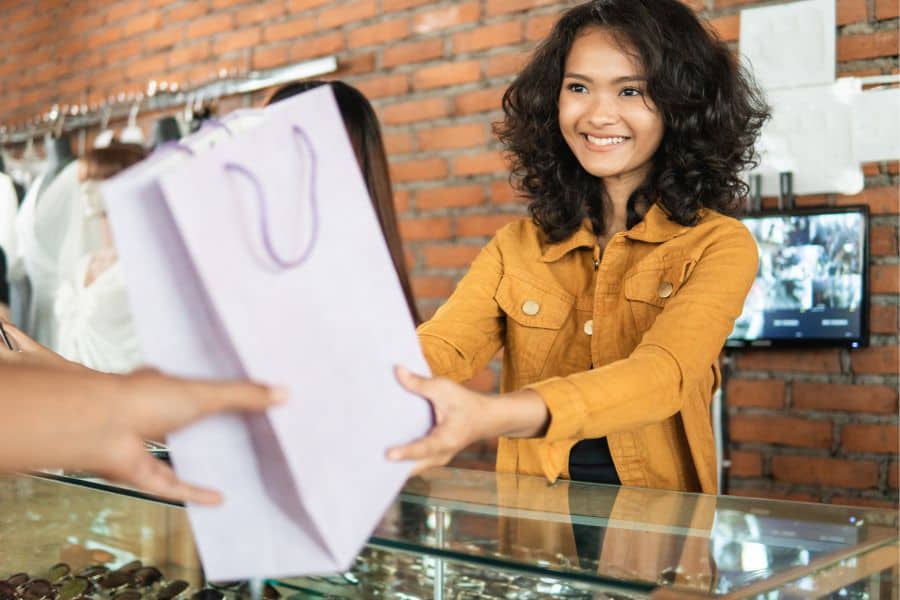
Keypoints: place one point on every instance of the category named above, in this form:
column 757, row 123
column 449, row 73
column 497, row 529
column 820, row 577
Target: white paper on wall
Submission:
column 876, row 125
column 810, row 134
column 790, row 45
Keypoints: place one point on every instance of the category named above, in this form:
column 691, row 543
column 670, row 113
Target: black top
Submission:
column 590, row 460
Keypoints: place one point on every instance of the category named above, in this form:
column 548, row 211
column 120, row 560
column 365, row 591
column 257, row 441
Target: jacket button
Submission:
column 665, row 289
column 589, row 327
column 531, row 308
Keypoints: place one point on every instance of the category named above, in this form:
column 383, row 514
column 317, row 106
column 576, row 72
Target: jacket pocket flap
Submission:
column 532, row 305
column 655, row 285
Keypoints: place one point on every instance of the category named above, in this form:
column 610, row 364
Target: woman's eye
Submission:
column 631, row 91
column 577, row 88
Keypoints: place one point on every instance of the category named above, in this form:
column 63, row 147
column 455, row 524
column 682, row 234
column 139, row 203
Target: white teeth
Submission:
column 606, row 141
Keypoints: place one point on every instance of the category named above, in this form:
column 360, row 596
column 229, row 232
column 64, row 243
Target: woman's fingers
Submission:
column 411, row 382
column 424, row 465
column 426, row 452
column 420, row 449
column 454, row 408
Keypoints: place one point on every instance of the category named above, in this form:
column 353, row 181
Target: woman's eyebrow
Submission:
column 616, row 81
column 630, row 78
column 579, row 76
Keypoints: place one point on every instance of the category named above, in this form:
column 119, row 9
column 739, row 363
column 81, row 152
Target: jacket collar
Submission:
column 582, row 238
column 654, row 228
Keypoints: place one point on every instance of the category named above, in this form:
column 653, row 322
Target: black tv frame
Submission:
column 863, row 340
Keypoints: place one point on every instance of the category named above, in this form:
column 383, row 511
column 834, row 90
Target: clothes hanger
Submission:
column 133, row 134
column 106, row 135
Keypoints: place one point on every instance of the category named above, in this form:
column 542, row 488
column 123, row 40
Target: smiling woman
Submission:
column 710, row 112
column 606, row 116
column 627, row 131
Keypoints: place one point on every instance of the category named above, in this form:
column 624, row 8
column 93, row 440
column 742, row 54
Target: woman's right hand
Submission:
column 463, row 416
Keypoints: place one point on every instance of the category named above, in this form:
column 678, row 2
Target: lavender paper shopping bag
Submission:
column 289, row 253
column 182, row 335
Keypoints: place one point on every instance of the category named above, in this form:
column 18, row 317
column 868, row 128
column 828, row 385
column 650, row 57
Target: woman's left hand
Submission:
column 459, row 420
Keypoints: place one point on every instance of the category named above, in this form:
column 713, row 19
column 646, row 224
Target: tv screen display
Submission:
column 812, row 285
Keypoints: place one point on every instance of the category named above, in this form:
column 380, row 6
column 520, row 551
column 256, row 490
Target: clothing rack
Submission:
column 161, row 96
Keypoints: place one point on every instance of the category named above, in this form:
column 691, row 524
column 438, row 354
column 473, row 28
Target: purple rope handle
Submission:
column 284, row 263
column 217, row 124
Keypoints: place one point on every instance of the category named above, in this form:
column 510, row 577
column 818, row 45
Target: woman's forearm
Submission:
column 518, row 414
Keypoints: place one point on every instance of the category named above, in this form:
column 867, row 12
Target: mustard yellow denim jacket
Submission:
column 623, row 345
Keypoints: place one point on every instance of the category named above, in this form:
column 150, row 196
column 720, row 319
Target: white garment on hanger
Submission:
column 132, row 134
column 9, row 206
column 104, row 138
column 50, row 240
column 28, row 167
column 96, row 328
column 19, row 285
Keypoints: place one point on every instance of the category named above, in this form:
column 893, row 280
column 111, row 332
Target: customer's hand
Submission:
column 32, row 353
column 81, row 419
column 153, row 405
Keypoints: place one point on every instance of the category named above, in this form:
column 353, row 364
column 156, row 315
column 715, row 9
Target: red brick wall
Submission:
column 813, row 425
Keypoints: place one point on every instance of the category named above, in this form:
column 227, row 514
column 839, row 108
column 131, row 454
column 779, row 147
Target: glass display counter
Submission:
column 460, row 534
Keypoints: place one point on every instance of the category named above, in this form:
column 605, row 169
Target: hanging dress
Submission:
column 96, row 328
column 50, row 242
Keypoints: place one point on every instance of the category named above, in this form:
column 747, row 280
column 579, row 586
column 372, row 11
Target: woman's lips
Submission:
column 603, row 143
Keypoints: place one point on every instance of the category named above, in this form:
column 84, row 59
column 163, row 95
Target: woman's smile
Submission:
column 604, row 143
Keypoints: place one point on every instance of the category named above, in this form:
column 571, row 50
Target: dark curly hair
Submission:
column 711, row 110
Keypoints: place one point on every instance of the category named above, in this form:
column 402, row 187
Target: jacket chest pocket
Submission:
column 649, row 290
column 535, row 316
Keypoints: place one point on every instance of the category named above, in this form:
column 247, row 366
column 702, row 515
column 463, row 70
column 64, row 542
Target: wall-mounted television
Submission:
column 812, row 285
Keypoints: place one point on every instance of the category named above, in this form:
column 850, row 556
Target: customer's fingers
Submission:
column 26, row 343
column 138, row 468
column 34, row 354
column 161, row 405
column 214, row 397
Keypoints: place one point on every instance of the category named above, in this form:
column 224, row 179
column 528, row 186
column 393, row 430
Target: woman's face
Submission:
column 605, row 114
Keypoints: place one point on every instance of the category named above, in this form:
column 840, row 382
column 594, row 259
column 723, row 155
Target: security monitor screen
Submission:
column 811, row 285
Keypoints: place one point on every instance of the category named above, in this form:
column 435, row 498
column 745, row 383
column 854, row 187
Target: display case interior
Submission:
column 464, row 534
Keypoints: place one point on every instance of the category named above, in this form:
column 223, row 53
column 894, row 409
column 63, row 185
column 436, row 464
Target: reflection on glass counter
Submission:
column 470, row 534
column 640, row 537
column 87, row 534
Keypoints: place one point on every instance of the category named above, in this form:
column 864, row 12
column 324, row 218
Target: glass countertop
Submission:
column 632, row 540
column 635, row 537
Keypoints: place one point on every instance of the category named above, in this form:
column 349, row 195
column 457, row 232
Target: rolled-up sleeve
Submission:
column 467, row 331
column 678, row 349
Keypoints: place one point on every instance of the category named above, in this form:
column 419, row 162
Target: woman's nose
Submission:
column 603, row 111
